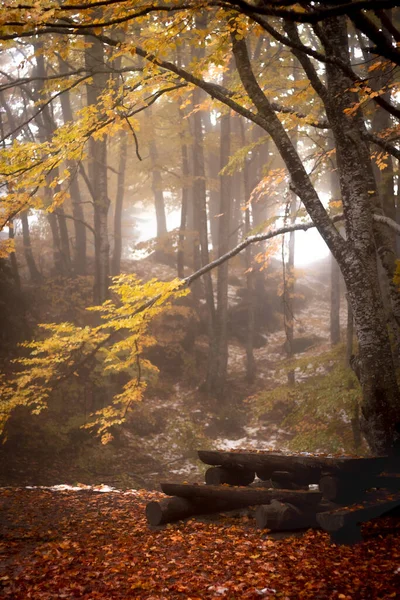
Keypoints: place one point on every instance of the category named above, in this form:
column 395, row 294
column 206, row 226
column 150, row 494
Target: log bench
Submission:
column 350, row 491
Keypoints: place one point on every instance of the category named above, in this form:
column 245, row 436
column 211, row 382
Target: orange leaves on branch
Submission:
column 114, row 346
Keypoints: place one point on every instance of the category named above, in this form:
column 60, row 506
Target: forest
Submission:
column 199, row 249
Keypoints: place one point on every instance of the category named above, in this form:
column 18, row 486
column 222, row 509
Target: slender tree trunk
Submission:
column 250, row 274
column 221, row 322
column 47, row 127
column 34, row 273
column 119, row 199
column 201, row 250
column 184, row 206
column 94, row 59
column 288, row 277
column 13, row 259
column 79, row 248
column 212, row 164
column 156, row 183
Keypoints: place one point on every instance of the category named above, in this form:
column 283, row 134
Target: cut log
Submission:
column 374, row 505
column 277, row 516
column 310, row 468
column 172, row 509
column 238, row 497
column 344, row 489
column 220, row 475
column 169, row 509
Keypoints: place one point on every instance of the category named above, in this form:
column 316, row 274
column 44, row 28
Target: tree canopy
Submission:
column 76, row 75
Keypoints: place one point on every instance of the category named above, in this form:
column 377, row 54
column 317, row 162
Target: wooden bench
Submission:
column 350, row 491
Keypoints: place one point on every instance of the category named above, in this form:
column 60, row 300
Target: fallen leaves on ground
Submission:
column 97, row 546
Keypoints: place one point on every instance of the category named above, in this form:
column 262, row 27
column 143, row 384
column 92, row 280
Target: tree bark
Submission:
column 381, row 398
column 79, row 249
column 184, row 202
column 34, row 273
column 356, row 255
column 156, row 183
column 241, row 496
column 278, row 516
column 220, row 360
column 250, row 273
column 13, row 259
column 47, row 127
column 175, row 508
column 311, row 467
column 335, row 269
column 119, row 201
column 94, row 60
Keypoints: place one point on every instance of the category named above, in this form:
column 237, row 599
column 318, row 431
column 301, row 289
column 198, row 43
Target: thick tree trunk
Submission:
column 381, row 398
column 119, row 200
column 94, row 59
column 356, row 255
column 335, row 302
column 335, row 270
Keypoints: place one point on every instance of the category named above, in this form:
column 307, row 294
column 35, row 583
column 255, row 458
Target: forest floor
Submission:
column 97, row 546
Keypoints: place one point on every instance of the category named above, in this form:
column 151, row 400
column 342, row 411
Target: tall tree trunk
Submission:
column 13, row 259
column 335, row 302
column 47, row 127
column 94, row 60
column 156, row 183
column 79, row 249
column 349, row 334
column 250, row 274
column 221, row 321
column 34, row 273
column 119, row 199
column 201, row 251
column 180, row 260
column 288, row 276
column 213, row 133
column 381, row 398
